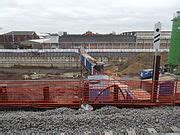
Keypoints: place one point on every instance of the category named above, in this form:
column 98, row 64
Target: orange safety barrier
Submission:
column 73, row 93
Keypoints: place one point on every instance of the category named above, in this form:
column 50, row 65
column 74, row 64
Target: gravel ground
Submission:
column 105, row 119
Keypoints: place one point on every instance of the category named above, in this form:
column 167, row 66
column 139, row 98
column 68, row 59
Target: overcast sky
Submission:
column 78, row 16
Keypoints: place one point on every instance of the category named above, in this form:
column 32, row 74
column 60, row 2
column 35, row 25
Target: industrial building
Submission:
column 89, row 40
column 12, row 40
column 144, row 39
column 126, row 40
column 97, row 41
column 48, row 42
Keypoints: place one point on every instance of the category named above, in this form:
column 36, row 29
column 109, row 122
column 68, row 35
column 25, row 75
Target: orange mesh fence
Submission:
column 71, row 92
column 27, row 92
column 177, row 92
column 131, row 91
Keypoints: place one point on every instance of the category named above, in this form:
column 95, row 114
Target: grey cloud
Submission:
column 77, row 16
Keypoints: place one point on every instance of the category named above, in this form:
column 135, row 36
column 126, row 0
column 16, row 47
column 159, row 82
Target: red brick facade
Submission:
column 15, row 37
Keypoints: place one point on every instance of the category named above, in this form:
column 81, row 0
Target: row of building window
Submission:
column 114, row 45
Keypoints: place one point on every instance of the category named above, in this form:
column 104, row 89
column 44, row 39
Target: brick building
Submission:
column 97, row 41
column 131, row 40
column 14, row 38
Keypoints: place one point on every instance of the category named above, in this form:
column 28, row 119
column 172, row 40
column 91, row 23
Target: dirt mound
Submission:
column 135, row 64
column 142, row 61
column 133, row 69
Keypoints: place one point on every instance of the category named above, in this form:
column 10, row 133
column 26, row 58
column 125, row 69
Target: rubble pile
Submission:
column 104, row 119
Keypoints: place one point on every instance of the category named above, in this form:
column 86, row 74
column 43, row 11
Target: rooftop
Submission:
column 97, row 38
column 50, row 40
column 20, row 33
column 147, row 31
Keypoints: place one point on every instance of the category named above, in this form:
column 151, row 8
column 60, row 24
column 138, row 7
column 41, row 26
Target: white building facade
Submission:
column 144, row 39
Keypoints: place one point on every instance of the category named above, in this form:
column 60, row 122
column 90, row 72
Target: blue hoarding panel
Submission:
column 129, row 95
column 99, row 94
column 166, row 88
column 82, row 59
column 88, row 64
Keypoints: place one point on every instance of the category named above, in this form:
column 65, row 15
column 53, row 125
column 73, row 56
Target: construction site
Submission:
column 90, row 90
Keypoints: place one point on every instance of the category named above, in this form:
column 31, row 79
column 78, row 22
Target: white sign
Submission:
column 157, row 35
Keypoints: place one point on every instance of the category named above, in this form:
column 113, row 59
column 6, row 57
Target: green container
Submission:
column 174, row 53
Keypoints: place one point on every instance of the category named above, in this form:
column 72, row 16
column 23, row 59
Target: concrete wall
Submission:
column 61, row 62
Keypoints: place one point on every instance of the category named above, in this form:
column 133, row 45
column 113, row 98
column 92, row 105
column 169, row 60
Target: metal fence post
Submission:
column 116, row 93
column 86, row 92
column 175, row 92
column 3, row 93
column 46, row 93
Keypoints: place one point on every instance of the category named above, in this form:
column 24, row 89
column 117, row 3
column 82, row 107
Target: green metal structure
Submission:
column 174, row 53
